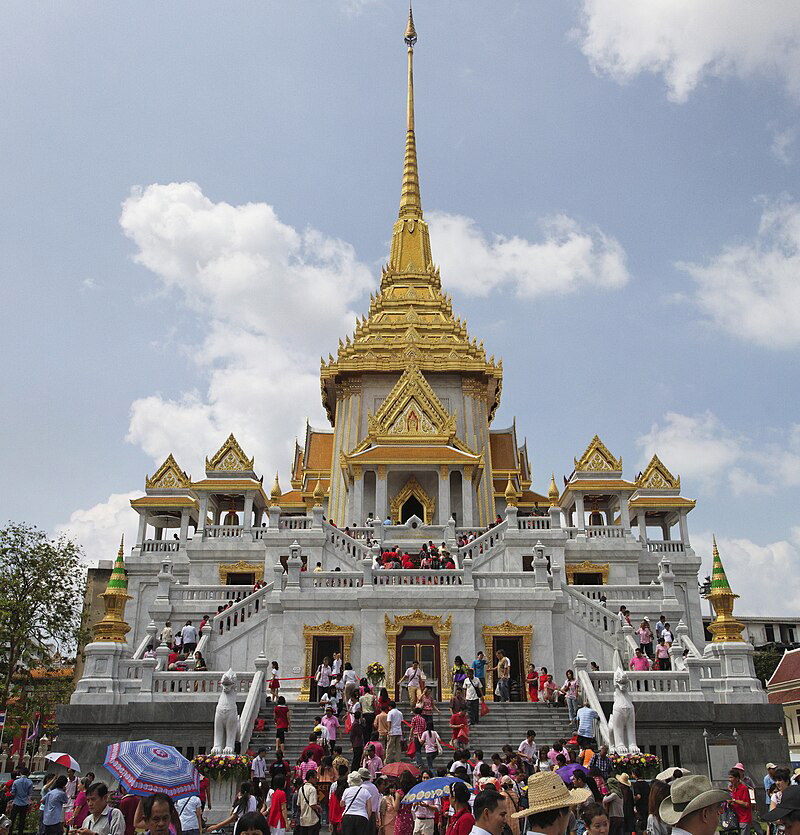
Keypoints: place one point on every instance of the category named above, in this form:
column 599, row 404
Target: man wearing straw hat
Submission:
column 549, row 802
column 693, row 806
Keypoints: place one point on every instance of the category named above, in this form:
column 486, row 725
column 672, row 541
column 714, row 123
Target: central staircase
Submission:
column 505, row 724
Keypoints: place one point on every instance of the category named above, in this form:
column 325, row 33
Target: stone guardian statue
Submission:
column 226, row 716
column 622, row 723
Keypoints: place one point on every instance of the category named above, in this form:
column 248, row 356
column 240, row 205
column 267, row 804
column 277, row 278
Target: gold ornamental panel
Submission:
column 241, row 568
column 506, row 629
column 441, row 628
column 586, row 568
column 327, row 630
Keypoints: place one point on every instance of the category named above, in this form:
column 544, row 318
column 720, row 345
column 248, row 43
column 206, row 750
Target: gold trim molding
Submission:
column 586, row 567
column 441, row 629
column 506, row 629
column 326, row 630
column 413, row 488
column 240, row 567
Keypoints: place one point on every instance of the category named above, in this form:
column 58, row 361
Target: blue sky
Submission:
column 198, row 198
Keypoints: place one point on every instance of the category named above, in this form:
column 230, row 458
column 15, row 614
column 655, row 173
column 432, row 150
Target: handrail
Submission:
column 483, row 543
column 140, row 650
column 347, row 544
column 250, row 710
column 590, row 695
column 689, row 644
column 600, row 613
column 227, row 619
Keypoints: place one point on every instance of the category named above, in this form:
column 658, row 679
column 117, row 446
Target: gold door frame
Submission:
column 441, row 628
column 241, row 567
column 413, row 488
column 506, row 629
column 586, row 567
column 326, row 630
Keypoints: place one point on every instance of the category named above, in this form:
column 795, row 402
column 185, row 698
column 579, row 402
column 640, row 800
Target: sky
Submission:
column 197, row 199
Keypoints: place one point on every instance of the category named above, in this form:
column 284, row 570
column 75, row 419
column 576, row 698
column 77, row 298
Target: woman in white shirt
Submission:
column 356, row 807
column 433, row 745
column 191, row 814
column 350, row 681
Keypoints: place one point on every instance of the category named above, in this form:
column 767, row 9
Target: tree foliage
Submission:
column 41, row 597
column 765, row 662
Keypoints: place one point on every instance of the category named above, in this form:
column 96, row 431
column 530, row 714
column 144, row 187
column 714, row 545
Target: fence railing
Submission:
column 296, row 523
column 150, row 546
column 665, row 547
column 533, row 523
column 223, row 531
column 212, row 593
column 418, row 577
column 331, row 579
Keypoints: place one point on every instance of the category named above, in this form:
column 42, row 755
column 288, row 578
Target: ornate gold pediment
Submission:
column 229, row 457
column 241, row 567
column 506, row 629
column 411, row 413
column 657, row 477
column 586, row 567
column 168, row 476
column 441, row 628
column 413, row 488
column 597, row 458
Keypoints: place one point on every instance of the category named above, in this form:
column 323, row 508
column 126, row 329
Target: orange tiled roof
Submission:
column 320, row 451
column 501, row 445
column 788, row 669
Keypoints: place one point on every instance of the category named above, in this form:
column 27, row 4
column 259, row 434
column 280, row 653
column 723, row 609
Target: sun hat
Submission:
column 547, row 791
column 669, row 774
column 624, row 779
column 354, row 779
column 364, row 774
column 790, row 802
column 771, row 765
column 739, row 767
column 687, row 795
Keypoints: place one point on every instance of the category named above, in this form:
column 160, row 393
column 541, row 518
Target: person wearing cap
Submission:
column 740, row 798
column 787, row 812
column 549, row 802
column 693, row 806
column 374, row 796
column 357, row 805
column 769, row 777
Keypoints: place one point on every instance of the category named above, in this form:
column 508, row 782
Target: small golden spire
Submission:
column 552, row 493
column 276, row 491
column 319, row 493
column 511, row 494
column 410, row 201
column 725, row 627
column 112, row 628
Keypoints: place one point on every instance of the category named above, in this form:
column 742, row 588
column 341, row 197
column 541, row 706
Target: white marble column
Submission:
column 625, row 514
column 580, row 512
column 467, row 497
column 641, row 521
column 380, row 493
column 184, row 526
column 444, row 494
column 247, row 516
column 357, row 506
column 142, row 528
column 683, row 521
column 201, row 521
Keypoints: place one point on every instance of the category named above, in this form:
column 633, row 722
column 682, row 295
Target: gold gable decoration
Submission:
column 324, row 630
column 411, row 413
column 413, row 488
column 229, row 458
column 441, row 628
column 597, row 458
column 506, row 629
column 657, row 477
column 586, row 567
column 168, row 476
column 241, row 567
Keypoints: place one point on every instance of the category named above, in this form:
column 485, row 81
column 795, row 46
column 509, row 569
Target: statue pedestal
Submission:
column 221, row 794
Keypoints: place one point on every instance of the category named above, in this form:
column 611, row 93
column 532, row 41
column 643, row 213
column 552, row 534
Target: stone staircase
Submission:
column 504, row 724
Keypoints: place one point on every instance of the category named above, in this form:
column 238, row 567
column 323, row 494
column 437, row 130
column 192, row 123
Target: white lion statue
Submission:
column 226, row 716
column 622, row 723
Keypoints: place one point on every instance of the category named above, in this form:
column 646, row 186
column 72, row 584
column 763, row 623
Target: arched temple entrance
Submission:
column 412, row 500
column 412, row 506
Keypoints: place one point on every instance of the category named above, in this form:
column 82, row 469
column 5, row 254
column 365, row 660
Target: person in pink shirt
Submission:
column 331, row 725
column 640, row 662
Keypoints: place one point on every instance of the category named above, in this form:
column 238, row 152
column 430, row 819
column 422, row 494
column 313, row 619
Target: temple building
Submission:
column 411, row 456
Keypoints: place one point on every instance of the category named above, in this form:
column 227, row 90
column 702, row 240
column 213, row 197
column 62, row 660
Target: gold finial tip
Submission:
column 122, row 545
column 410, row 36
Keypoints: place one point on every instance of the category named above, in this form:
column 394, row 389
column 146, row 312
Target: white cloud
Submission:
column 687, row 40
column 273, row 300
column 702, row 449
column 782, row 141
column 763, row 575
column 98, row 529
column 751, row 290
column 567, row 259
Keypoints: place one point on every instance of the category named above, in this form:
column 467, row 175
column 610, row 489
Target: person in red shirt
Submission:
column 459, row 727
column 740, row 799
column 282, row 723
column 278, row 814
column 313, row 748
column 462, row 821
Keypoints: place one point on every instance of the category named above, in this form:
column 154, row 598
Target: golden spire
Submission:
column 552, row 493
column 725, row 627
column 410, row 202
column 319, row 493
column 511, row 494
column 276, row 492
column 113, row 628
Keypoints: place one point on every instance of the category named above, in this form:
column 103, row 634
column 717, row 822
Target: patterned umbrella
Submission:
column 430, row 789
column 63, row 759
column 145, row 767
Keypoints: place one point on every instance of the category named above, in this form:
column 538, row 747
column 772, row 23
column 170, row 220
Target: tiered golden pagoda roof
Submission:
column 410, row 320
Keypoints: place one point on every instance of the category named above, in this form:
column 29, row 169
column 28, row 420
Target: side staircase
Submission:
column 505, row 724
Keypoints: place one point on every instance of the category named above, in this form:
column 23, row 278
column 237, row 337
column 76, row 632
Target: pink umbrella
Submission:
column 63, row 759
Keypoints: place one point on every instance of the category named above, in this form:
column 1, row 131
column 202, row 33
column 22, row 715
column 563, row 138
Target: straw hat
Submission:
column 671, row 773
column 354, row 779
column 687, row 795
column 624, row 779
column 547, row 791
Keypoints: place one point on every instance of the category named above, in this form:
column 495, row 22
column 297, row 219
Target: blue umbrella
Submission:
column 430, row 789
column 145, row 767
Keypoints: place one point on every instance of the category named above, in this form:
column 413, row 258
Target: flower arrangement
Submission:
column 647, row 765
column 223, row 765
column 375, row 673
